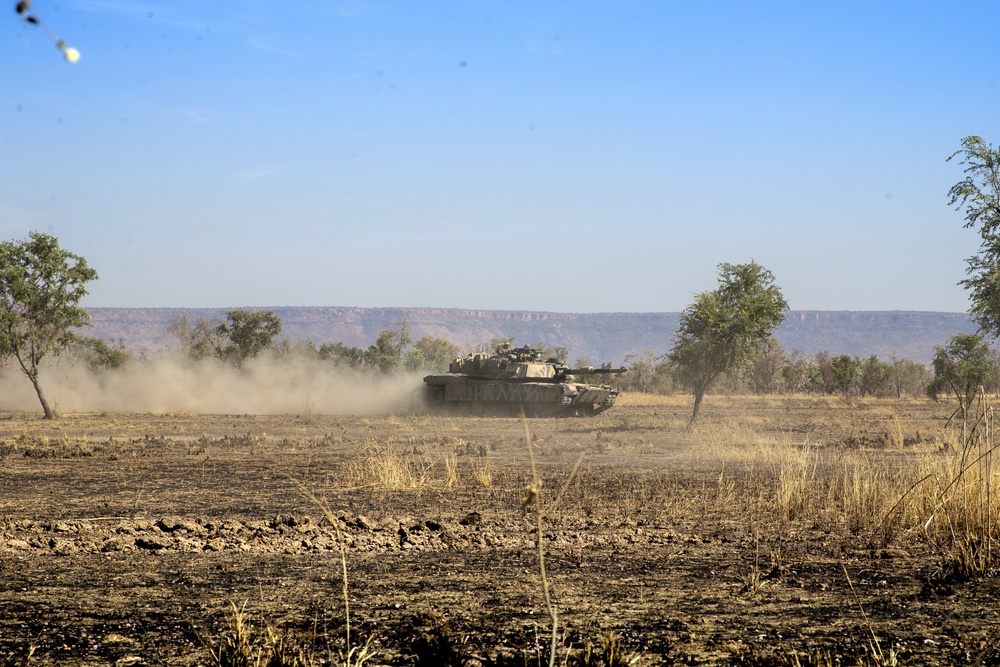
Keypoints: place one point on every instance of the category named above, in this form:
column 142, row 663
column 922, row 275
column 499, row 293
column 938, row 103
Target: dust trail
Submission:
column 210, row 387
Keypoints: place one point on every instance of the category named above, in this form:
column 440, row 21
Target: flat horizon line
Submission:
column 510, row 310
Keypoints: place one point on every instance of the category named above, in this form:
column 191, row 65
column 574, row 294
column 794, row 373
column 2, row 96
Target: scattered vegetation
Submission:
column 722, row 328
column 41, row 286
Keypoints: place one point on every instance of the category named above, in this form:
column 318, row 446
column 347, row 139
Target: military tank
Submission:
column 509, row 380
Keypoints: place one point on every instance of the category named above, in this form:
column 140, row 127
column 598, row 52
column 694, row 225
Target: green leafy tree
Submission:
column 248, row 333
column 798, row 373
column 979, row 193
column 198, row 340
column 343, row 355
column 722, row 328
column 243, row 335
column 41, row 286
column 825, row 379
column 875, row 376
column 437, row 353
column 98, row 354
column 387, row 352
column 960, row 368
column 909, row 377
column 845, row 373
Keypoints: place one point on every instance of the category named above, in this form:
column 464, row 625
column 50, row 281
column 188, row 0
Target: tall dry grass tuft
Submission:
column 797, row 489
column 384, row 469
column 606, row 652
column 862, row 489
column 956, row 500
column 450, row 470
column 483, row 473
column 244, row 646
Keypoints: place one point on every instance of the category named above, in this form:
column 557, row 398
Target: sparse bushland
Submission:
column 41, row 286
column 242, row 336
column 722, row 328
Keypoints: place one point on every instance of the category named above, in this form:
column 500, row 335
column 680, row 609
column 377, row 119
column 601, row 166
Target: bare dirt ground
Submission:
column 127, row 539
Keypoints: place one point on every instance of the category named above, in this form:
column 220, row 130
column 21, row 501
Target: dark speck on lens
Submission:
column 461, row 63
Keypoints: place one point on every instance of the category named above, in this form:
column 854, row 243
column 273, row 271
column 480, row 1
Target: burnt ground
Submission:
column 128, row 539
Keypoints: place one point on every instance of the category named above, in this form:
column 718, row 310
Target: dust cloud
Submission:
column 163, row 384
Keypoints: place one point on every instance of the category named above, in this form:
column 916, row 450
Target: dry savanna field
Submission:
column 777, row 531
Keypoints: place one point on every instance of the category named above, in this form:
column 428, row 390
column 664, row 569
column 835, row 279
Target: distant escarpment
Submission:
column 595, row 337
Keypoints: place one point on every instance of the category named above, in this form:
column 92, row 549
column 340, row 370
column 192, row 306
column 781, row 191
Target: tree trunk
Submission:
column 49, row 414
column 699, row 395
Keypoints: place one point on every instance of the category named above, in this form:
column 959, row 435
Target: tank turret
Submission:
column 511, row 379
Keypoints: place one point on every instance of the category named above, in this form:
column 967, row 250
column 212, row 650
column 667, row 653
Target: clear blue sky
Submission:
column 560, row 156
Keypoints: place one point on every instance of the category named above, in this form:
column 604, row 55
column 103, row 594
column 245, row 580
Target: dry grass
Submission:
column 384, row 469
column 879, row 475
column 483, row 473
column 869, row 473
column 640, row 400
column 242, row 645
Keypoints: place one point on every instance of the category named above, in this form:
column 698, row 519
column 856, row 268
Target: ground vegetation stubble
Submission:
column 128, row 537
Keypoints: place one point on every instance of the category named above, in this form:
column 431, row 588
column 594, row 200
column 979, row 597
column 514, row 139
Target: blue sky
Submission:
column 558, row 156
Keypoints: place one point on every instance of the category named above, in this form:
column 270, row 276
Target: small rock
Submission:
column 65, row 548
column 217, row 544
column 114, row 544
column 471, row 519
column 154, row 543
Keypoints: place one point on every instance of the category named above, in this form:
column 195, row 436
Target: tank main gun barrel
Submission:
column 590, row 370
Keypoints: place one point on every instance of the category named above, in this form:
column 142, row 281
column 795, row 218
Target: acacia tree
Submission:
column 387, row 352
column 722, row 328
column 435, row 353
column 960, row 368
column 41, row 286
column 243, row 335
column 979, row 193
column 249, row 333
column 875, row 377
column 198, row 341
column 845, row 373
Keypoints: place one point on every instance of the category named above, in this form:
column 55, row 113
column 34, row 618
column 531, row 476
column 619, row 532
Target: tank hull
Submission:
column 460, row 394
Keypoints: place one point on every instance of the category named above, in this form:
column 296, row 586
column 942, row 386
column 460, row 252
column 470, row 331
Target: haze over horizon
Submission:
column 565, row 157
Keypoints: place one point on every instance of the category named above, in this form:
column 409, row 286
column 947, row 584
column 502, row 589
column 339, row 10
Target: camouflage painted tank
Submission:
column 510, row 379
